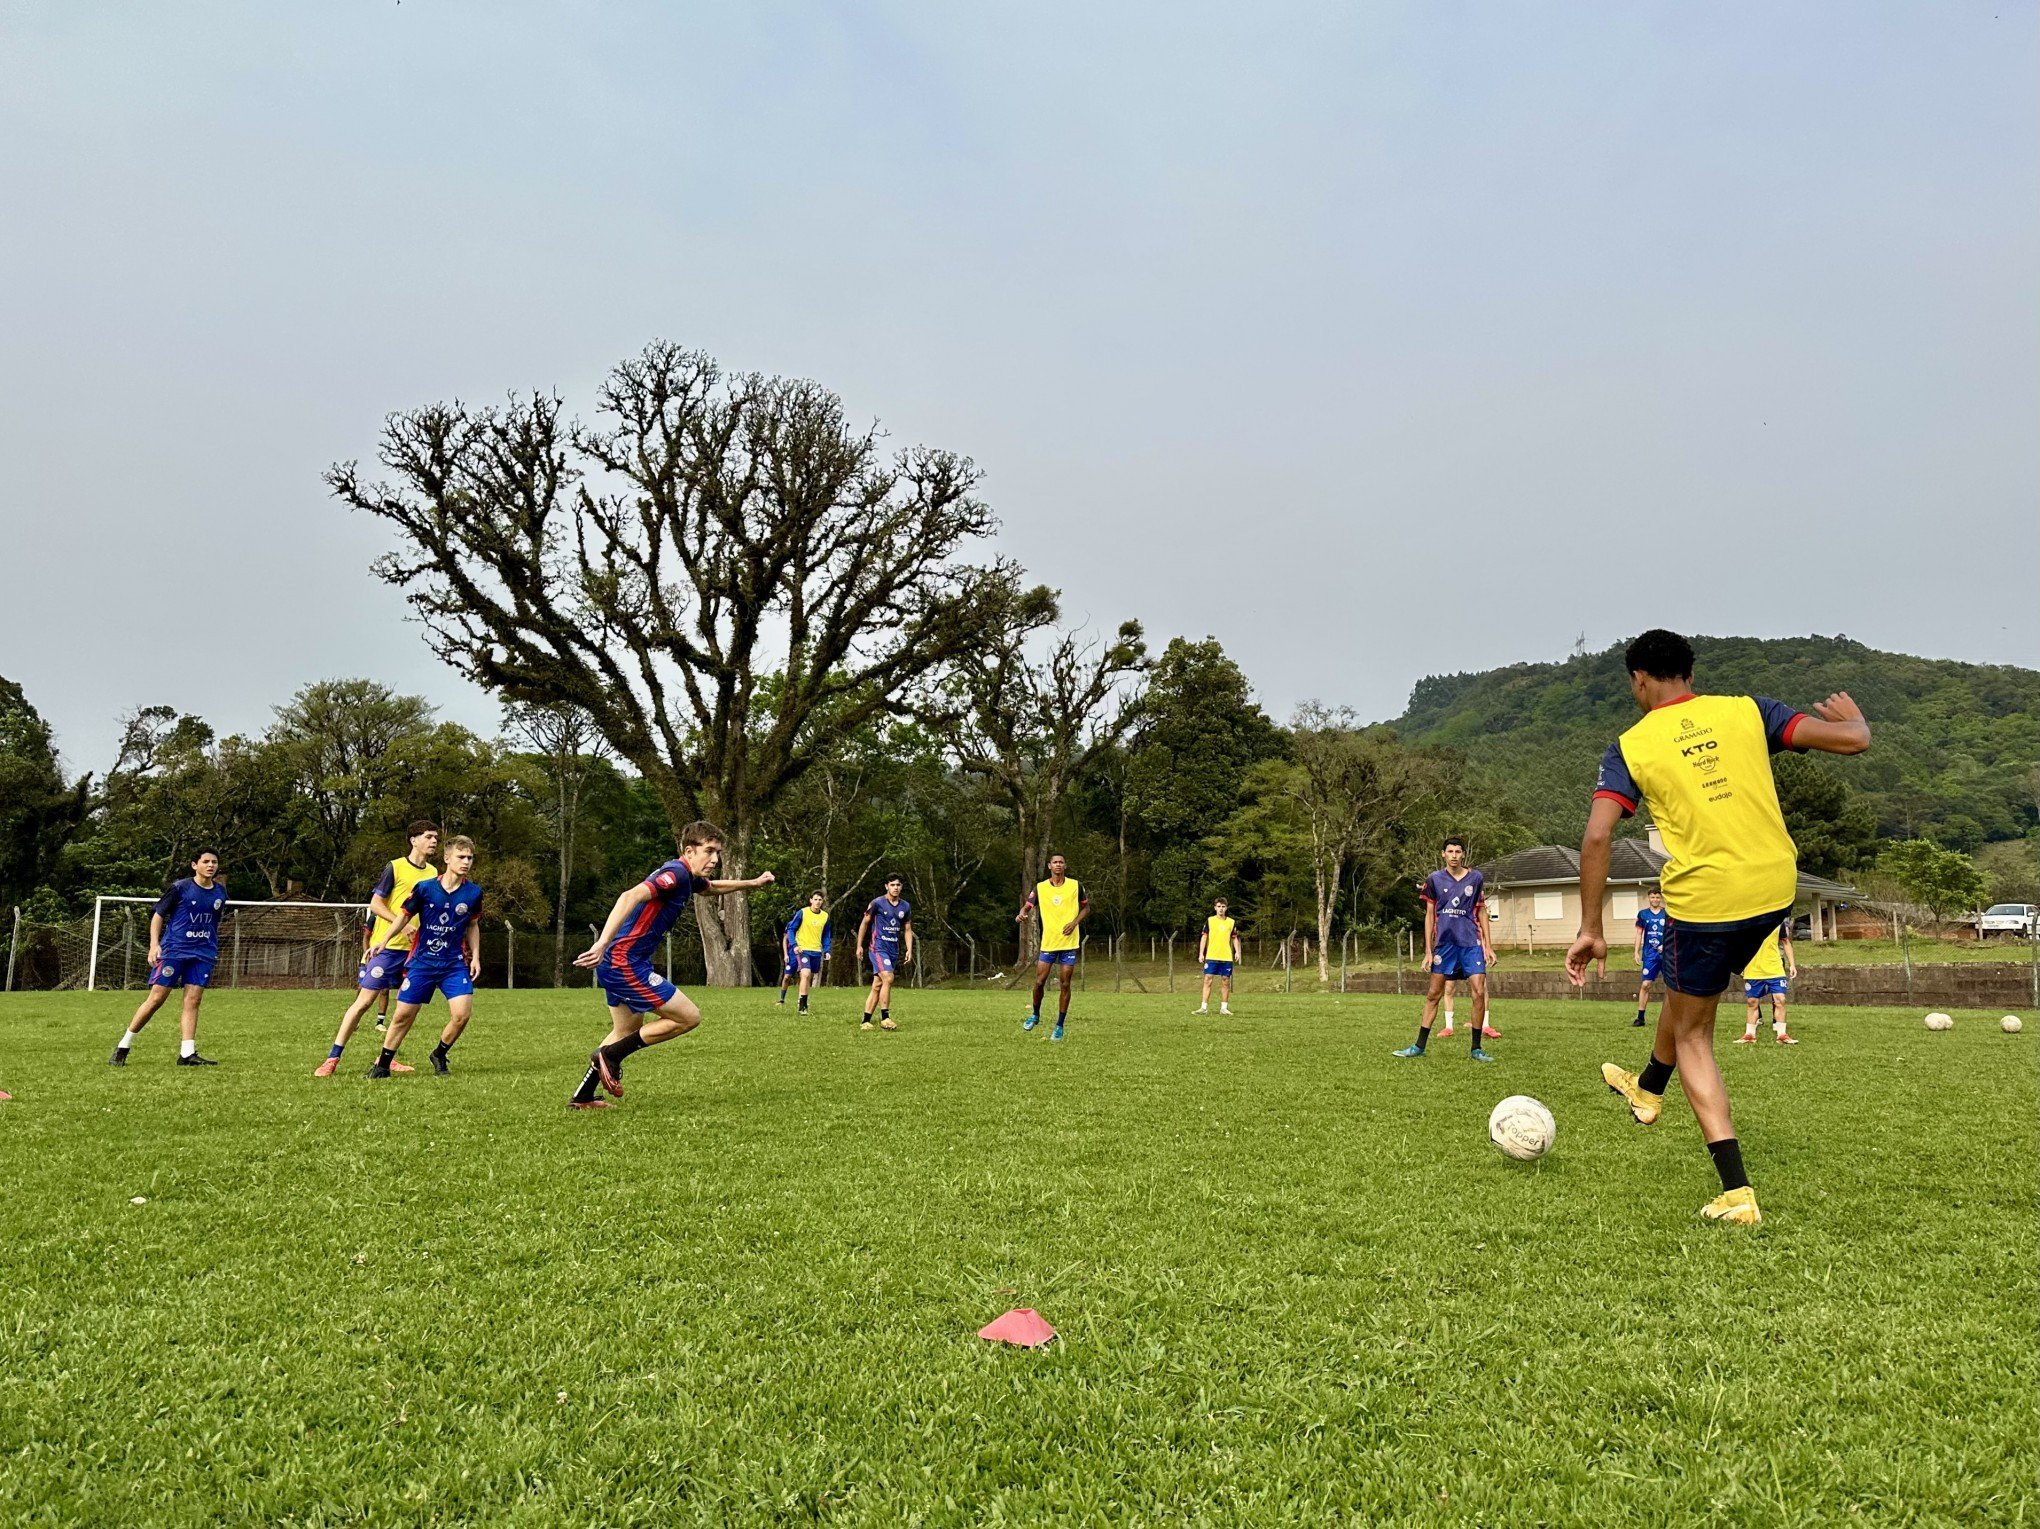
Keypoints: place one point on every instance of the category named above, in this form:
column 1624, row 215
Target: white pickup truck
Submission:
column 2014, row 919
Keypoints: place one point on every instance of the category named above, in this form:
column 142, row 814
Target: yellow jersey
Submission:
column 1059, row 905
column 1768, row 962
column 1218, row 938
column 808, row 928
column 399, row 879
column 1703, row 766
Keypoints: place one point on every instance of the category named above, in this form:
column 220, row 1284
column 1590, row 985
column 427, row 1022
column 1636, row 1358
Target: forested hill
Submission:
column 1953, row 758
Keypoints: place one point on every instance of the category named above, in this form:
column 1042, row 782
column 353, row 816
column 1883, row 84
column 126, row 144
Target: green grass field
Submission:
column 1294, row 1282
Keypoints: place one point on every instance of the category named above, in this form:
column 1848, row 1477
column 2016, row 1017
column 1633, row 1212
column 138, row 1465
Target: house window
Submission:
column 1548, row 905
column 1624, row 905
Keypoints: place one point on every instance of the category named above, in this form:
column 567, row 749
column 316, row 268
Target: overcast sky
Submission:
column 1375, row 340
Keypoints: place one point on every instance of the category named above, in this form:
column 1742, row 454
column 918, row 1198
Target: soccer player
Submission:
column 1217, row 947
column 1063, row 906
column 1765, row 977
column 382, row 1006
column 644, row 1008
column 1702, row 765
column 886, row 936
column 1650, row 948
column 447, row 955
column 382, row 964
column 184, row 941
column 1456, row 947
column 807, row 945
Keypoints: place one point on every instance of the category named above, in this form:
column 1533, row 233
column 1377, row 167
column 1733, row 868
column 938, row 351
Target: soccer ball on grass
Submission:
column 1940, row 1022
column 1522, row 1128
column 2010, row 1024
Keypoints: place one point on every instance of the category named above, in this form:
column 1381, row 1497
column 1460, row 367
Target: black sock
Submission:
column 388, row 1056
column 1655, row 1076
column 886, row 1012
column 442, row 1048
column 1423, row 1037
column 1476, row 1035
column 588, row 1086
column 616, row 1051
column 803, row 1003
column 1639, row 1016
column 1727, row 1155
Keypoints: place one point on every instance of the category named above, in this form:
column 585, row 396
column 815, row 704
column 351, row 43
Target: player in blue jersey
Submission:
column 1456, row 947
column 184, row 941
column 886, row 937
column 446, row 956
column 385, row 950
column 806, row 947
column 644, row 1008
column 1651, row 920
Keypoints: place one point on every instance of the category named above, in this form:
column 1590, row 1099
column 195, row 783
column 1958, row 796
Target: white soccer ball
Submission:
column 1940, row 1022
column 2010, row 1024
column 1522, row 1128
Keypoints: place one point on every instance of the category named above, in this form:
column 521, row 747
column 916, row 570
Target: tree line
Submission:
column 723, row 598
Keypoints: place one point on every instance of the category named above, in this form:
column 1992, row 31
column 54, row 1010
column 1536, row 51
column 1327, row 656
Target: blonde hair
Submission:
column 461, row 841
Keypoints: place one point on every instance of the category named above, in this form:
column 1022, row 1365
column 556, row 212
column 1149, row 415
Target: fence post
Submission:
column 92, row 960
column 234, row 976
column 1172, row 961
column 1344, row 943
column 1398, row 963
column 2036, row 958
column 1118, row 959
column 509, row 954
column 1083, row 964
column 127, row 948
column 1288, row 975
column 669, row 954
column 14, row 944
column 595, row 932
column 1905, row 955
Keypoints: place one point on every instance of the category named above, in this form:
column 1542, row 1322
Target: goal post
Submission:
column 262, row 944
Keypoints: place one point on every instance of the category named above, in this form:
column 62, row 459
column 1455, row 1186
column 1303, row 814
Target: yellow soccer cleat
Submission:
column 1735, row 1207
column 1643, row 1106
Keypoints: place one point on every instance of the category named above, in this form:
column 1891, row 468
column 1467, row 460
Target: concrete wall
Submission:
column 2006, row 986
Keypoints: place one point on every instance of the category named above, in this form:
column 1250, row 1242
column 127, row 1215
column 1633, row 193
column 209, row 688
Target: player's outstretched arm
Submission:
column 627, row 903
column 1837, row 726
column 750, row 884
column 1590, row 944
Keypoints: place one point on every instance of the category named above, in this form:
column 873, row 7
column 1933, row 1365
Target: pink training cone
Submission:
column 1024, row 1328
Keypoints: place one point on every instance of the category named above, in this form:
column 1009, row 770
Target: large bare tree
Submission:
column 722, row 572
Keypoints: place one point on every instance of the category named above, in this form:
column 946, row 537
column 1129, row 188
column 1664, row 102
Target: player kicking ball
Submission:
column 1650, row 949
column 1702, row 764
column 1767, row 977
column 184, row 942
column 644, row 1008
column 1218, row 948
column 382, row 963
column 886, row 936
column 1456, row 947
column 446, row 958
column 807, row 946
column 1063, row 907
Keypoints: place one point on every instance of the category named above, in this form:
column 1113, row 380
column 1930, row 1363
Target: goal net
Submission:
column 267, row 945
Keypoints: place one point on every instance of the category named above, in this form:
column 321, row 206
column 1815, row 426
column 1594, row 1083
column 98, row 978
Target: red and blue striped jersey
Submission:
column 671, row 885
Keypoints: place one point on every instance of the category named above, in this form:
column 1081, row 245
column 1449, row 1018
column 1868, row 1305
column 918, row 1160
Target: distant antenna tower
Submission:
column 1579, row 646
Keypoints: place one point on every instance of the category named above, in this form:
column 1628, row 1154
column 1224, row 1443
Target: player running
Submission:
column 644, row 1008
column 807, row 946
column 1766, row 977
column 184, row 942
column 1218, row 947
column 1702, row 765
column 886, row 936
column 1650, row 948
column 447, row 956
column 382, row 964
column 1456, row 947
column 1063, row 907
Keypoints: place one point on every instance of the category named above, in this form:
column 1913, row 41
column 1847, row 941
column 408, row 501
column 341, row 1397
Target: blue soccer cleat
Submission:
column 1056, row 1033
column 1483, row 1056
column 1030, row 1021
column 1409, row 1051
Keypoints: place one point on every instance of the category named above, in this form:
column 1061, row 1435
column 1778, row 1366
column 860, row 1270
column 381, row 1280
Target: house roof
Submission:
column 1630, row 861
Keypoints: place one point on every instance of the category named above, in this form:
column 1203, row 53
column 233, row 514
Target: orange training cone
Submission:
column 1023, row 1327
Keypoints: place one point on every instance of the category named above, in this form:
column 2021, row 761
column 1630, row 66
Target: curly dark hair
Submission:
column 1660, row 654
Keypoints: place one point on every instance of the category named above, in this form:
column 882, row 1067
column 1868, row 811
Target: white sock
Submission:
column 187, row 1048
column 127, row 1039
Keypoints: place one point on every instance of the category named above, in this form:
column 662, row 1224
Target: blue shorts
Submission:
column 1653, row 963
column 792, row 965
column 1699, row 957
column 1458, row 962
column 1218, row 968
column 381, row 970
column 1765, row 987
column 1056, row 958
column 420, row 982
column 637, row 988
column 883, row 960
column 183, row 971
column 810, row 960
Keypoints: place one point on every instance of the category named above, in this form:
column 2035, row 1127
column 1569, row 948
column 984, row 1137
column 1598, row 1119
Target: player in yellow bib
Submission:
column 1062, row 904
column 1766, row 977
column 807, row 943
column 1218, row 947
column 382, row 965
column 1702, row 764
